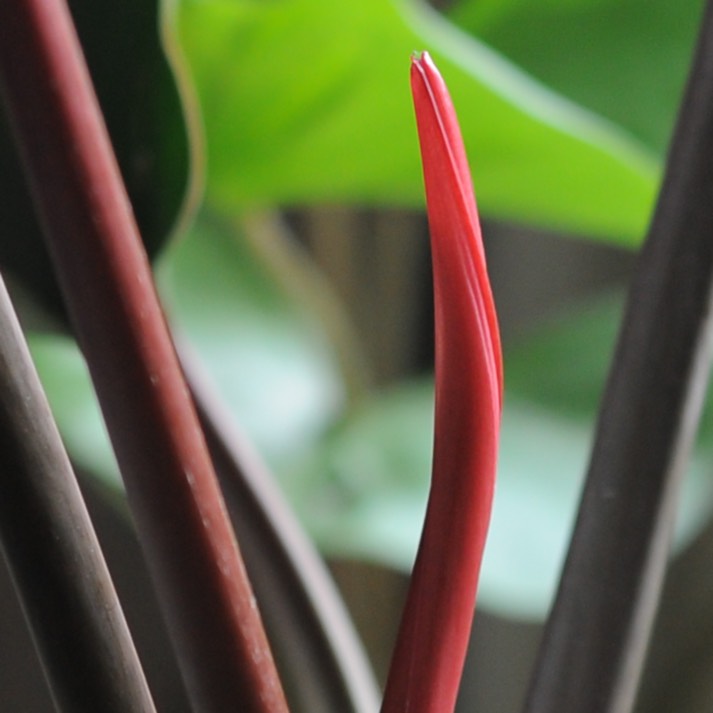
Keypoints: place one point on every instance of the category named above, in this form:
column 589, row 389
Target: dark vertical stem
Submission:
column 321, row 652
column 107, row 284
column 596, row 637
column 49, row 543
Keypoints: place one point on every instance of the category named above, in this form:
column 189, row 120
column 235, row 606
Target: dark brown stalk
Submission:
column 54, row 556
column 107, row 284
column 596, row 637
column 323, row 663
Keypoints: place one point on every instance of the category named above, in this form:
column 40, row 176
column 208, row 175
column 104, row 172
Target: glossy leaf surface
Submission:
column 303, row 102
column 624, row 59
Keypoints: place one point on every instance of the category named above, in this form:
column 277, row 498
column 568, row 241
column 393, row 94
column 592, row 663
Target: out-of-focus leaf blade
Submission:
column 364, row 493
column 562, row 364
column 269, row 359
column 308, row 101
column 66, row 382
column 625, row 59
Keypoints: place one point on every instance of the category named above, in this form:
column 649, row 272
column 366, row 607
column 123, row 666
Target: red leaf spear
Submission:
column 433, row 638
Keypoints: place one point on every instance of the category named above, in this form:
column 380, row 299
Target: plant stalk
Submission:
column 596, row 638
column 107, row 284
column 48, row 540
column 322, row 653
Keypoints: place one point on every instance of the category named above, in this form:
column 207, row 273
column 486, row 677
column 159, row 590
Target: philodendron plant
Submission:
column 185, row 477
column 193, row 557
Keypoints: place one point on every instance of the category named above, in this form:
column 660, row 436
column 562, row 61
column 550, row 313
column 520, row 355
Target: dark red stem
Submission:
column 325, row 666
column 110, row 295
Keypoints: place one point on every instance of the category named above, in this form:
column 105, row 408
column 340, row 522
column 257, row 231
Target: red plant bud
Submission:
column 433, row 638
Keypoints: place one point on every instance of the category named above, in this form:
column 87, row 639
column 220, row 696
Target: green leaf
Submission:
column 267, row 357
column 562, row 364
column 624, row 59
column 144, row 114
column 306, row 101
column 66, row 382
column 363, row 494
column 544, row 455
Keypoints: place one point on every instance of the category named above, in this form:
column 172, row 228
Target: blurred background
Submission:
column 270, row 151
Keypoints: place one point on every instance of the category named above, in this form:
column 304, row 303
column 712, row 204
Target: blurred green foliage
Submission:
column 565, row 107
column 308, row 101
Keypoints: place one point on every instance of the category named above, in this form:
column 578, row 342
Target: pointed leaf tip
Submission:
column 435, row 628
column 452, row 214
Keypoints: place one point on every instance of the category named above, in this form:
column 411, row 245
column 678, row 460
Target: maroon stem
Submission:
column 107, row 284
column 325, row 667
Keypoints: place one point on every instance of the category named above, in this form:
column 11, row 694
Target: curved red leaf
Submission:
column 432, row 642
